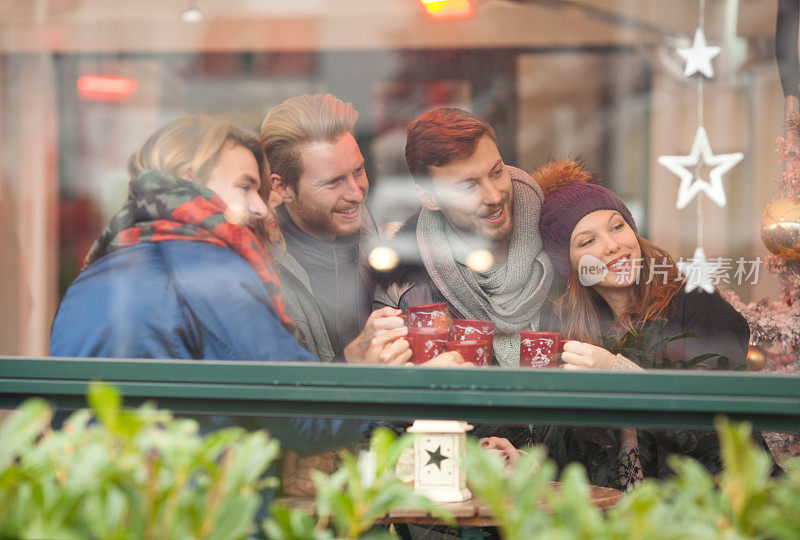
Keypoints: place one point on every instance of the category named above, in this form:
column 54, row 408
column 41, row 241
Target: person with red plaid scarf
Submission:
column 181, row 270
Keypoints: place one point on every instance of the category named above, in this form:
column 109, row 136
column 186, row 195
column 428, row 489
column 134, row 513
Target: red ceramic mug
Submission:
column 430, row 315
column 539, row 349
column 477, row 351
column 472, row 329
column 426, row 342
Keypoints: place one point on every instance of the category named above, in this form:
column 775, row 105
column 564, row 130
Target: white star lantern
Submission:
column 439, row 471
column 687, row 169
column 699, row 272
column 698, row 57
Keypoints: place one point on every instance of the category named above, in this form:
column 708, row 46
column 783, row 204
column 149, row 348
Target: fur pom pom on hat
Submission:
column 570, row 194
column 557, row 174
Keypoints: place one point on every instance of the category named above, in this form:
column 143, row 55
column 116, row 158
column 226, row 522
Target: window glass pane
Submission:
column 673, row 107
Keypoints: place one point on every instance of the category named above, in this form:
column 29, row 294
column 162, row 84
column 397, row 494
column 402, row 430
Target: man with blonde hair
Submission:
column 318, row 171
column 179, row 272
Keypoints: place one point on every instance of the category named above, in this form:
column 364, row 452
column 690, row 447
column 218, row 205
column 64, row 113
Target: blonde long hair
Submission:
column 192, row 144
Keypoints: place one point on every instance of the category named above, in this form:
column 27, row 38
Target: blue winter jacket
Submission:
column 187, row 300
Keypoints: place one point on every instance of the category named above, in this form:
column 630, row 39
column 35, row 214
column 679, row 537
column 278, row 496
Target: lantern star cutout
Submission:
column 698, row 57
column 436, row 458
column 699, row 272
column 687, row 169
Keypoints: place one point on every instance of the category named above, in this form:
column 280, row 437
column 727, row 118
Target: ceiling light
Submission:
column 192, row 14
column 106, row 88
column 441, row 10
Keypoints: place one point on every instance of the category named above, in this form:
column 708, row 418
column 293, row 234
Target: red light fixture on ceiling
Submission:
column 106, row 88
column 448, row 10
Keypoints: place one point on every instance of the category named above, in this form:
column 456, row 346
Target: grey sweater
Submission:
column 325, row 289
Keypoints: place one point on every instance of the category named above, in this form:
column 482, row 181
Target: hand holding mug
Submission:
column 447, row 359
column 374, row 346
column 580, row 355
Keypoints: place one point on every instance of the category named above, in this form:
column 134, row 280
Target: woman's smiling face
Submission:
column 605, row 251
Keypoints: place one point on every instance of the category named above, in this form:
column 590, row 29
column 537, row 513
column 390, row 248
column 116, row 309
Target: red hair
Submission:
column 442, row 136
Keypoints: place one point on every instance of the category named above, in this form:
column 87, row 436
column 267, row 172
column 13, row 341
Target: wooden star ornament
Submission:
column 687, row 168
column 698, row 57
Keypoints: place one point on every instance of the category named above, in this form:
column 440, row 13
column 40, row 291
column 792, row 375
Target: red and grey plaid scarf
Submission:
column 161, row 208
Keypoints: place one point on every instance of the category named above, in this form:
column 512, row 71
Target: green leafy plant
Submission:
column 780, row 517
column 643, row 348
column 524, row 501
column 294, row 524
column 353, row 500
column 695, row 504
column 145, row 474
column 132, row 474
column 742, row 501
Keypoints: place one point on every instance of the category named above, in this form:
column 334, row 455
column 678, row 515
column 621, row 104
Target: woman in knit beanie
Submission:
column 583, row 226
column 615, row 284
column 621, row 301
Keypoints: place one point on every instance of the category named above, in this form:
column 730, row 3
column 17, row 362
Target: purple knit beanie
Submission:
column 569, row 196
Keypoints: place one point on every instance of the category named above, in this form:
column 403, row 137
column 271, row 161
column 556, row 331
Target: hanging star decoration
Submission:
column 698, row 57
column 699, row 272
column 687, row 168
column 436, row 458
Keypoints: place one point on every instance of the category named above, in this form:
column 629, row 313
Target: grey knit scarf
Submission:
column 510, row 294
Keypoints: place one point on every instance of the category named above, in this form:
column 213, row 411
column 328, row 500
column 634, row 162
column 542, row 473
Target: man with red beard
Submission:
column 477, row 234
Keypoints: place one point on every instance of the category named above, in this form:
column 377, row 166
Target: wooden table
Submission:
column 469, row 513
